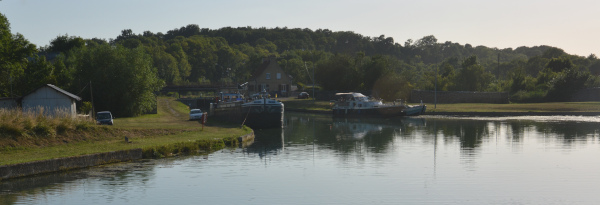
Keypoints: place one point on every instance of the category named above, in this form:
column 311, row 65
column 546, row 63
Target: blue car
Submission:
column 104, row 118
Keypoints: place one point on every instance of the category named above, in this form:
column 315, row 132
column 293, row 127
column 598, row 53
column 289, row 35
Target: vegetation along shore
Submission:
column 31, row 137
column 549, row 108
column 124, row 74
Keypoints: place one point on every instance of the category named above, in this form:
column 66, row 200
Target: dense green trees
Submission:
column 472, row 76
column 123, row 80
column 14, row 51
column 347, row 61
column 131, row 66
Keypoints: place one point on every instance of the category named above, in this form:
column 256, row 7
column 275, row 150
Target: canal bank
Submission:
column 90, row 160
column 508, row 114
column 167, row 133
column 423, row 160
column 472, row 114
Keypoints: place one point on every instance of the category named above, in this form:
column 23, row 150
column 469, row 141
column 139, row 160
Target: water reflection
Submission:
column 354, row 135
column 430, row 159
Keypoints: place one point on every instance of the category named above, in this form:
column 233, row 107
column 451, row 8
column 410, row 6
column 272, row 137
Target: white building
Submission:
column 51, row 99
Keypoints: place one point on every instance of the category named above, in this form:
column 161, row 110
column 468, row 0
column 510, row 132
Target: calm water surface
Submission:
column 320, row 160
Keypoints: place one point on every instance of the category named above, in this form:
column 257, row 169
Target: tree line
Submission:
column 130, row 67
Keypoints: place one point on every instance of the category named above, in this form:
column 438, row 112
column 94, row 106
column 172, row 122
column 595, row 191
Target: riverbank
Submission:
column 167, row 133
column 471, row 109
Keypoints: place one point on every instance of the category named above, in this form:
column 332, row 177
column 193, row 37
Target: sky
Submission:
column 573, row 25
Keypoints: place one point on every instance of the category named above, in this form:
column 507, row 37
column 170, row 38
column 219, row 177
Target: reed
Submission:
column 17, row 124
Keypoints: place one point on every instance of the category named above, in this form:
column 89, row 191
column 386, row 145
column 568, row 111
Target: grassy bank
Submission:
column 167, row 133
column 517, row 107
column 470, row 107
column 306, row 104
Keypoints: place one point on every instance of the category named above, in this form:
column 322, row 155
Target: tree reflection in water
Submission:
column 353, row 135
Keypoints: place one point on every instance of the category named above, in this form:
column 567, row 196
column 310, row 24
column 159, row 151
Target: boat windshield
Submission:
column 363, row 98
column 351, row 97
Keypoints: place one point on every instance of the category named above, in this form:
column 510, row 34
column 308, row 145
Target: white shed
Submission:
column 51, row 99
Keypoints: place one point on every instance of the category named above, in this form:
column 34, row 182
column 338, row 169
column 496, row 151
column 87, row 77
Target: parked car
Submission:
column 303, row 95
column 104, row 118
column 195, row 114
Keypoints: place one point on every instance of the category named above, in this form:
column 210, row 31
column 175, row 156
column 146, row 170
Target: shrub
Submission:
column 7, row 130
column 528, row 97
column 43, row 129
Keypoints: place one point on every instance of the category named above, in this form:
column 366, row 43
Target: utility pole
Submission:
column 435, row 89
column 313, row 78
column 498, row 77
column 92, row 98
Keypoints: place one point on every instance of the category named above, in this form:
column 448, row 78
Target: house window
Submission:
column 283, row 88
column 268, row 76
column 278, row 76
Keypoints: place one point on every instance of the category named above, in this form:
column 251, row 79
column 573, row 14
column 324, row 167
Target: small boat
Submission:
column 357, row 104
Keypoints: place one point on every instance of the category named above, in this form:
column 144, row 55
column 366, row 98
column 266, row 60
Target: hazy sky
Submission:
column 572, row 25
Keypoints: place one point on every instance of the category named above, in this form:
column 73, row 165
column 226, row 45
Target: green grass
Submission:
column 169, row 132
column 470, row 107
column 517, row 107
column 220, row 136
column 307, row 104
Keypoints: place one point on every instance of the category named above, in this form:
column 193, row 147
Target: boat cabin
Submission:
column 262, row 95
column 230, row 97
column 355, row 100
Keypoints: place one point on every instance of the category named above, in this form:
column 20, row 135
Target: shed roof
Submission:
column 70, row 95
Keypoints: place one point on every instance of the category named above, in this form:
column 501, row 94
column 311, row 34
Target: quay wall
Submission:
column 586, row 95
column 63, row 164
column 202, row 103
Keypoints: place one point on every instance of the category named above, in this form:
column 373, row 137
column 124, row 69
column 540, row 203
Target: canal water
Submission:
column 316, row 159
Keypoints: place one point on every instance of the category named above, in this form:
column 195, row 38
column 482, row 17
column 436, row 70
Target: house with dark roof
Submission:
column 271, row 78
column 51, row 99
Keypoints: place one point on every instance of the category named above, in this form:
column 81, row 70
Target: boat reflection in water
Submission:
column 359, row 128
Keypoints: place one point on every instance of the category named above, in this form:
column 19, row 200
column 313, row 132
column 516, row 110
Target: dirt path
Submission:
column 167, row 104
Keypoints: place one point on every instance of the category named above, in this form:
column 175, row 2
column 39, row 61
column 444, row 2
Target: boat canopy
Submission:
column 350, row 96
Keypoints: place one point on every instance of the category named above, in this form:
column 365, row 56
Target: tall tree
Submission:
column 38, row 72
column 472, row 76
column 123, row 79
column 339, row 73
column 63, row 44
column 559, row 64
column 14, row 51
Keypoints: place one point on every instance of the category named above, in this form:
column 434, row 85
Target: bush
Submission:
column 528, row 97
column 7, row 130
column 44, row 130
column 85, row 108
